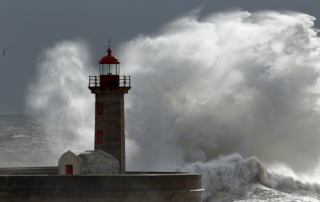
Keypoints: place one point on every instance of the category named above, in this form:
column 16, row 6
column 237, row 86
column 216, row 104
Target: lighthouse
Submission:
column 109, row 89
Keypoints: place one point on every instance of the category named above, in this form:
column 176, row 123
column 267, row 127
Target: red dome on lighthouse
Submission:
column 109, row 59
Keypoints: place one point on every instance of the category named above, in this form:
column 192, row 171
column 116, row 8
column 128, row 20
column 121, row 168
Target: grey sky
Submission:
column 28, row 27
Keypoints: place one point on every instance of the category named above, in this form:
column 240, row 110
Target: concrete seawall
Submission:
column 49, row 170
column 134, row 186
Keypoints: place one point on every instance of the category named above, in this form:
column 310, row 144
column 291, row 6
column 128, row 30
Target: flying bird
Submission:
column 5, row 50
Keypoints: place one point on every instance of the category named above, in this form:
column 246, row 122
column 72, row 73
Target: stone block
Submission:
column 134, row 189
column 107, row 139
column 52, row 181
column 135, row 181
column 113, row 143
column 2, row 189
column 2, row 181
column 95, row 190
column 63, row 181
column 112, row 118
column 17, row 190
column 29, row 189
column 157, row 181
column 55, row 190
column 8, row 189
column 9, row 181
column 115, row 181
column 80, row 189
column 31, row 181
column 110, row 189
column 47, row 189
column 78, row 181
column 38, row 190
column 64, row 189
column 20, row 181
column 171, row 181
column 111, row 132
column 94, row 181
column 42, row 180
column 113, row 115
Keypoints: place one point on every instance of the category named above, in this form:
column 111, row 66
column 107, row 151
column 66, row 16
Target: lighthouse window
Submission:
column 99, row 137
column 105, row 69
column 99, row 109
column 109, row 69
column 113, row 69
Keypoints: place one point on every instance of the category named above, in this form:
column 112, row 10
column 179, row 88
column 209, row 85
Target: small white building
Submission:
column 76, row 162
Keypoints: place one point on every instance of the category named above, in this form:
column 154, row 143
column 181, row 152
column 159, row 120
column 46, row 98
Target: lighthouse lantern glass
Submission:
column 104, row 69
column 109, row 69
column 113, row 69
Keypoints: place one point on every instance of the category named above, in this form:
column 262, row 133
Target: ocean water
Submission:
column 233, row 95
column 25, row 141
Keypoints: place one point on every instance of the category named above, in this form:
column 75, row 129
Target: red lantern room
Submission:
column 109, row 70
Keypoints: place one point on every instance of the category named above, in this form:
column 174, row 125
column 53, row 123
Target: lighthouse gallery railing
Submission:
column 124, row 81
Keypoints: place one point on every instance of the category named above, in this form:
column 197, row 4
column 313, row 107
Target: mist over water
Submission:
column 207, row 95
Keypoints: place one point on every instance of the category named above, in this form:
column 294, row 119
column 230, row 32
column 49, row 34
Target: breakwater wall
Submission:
column 133, row 186
column 49, row 170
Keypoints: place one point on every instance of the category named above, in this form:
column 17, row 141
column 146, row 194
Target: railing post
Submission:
column 124, row 81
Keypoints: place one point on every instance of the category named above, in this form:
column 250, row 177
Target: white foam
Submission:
column 249, row 179
column 20, row 136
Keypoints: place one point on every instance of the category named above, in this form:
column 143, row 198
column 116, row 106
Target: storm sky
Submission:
column 29, row 27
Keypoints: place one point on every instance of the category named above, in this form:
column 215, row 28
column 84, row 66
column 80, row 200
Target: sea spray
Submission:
column 242, row 178
column 230, row 82
column 61, row 93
